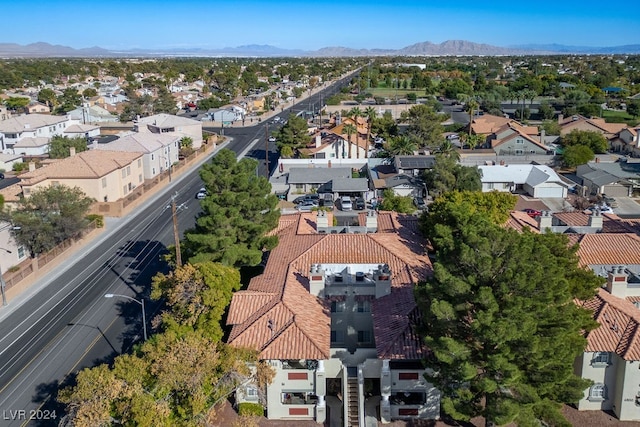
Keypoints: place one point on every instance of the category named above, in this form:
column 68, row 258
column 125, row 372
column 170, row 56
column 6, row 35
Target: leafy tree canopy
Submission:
column 594, row 140
column 393, row 202
column 575, row 155
column 294, row 134
column 49, row 216
column 59, row 147
column 424, row 125
column 447, row 175
column 236, row 215
column 499, row 315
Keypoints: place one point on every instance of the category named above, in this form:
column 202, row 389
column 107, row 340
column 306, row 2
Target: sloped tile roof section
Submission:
column 278, row 316
column 29, row 122
column 88, row 164
column 618, row 331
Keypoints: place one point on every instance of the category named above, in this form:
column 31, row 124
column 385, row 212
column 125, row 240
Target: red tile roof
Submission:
column 618, row 331
column 300, row 322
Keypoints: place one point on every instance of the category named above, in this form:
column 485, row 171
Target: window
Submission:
column 598, row 392
column 128, row 170
column 104, row 182
column 519, row 152
column 140, row 178
column 252, row 392
column 139, row 163
column 21, row 252
column 337, row 306
column 364, row 307
column 124, row 173
column 337, row 336
column 298, row 398
column 601, row 358
column 300, row 187
column 364, row 336
column 519, row 141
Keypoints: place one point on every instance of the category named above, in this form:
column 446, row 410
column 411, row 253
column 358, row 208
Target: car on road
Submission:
column 533, row 212
column 345, row 203
column 272, row 139
column 201, row 194
column 1, row 175
column 419, row 203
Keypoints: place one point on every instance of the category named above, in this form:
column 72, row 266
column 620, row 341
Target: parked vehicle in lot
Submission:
column 305, row 198
column 307, row 206
column 326, row 199
column 603, row 208
column 345, row 203
column 360, row 204
column 419, row 203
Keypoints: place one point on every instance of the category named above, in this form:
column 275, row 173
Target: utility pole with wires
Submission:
column 176, row 231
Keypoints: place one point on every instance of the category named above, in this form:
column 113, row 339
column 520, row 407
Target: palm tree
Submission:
column 370, row 114
column 448, row 150
column 402, row 145
column 472, row 106
column 349, row 130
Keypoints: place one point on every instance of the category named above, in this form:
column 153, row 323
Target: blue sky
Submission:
column 310, row 25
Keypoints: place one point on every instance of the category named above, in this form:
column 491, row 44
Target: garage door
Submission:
column 615, row 191
column 542, row 192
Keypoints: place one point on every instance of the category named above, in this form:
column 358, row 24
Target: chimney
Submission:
column 32, row 166
column 322, row 221
column 617, row 281
column 72, row 151
column 371, row 222
column 382, row 277
column 316, row 280
column 318, row 141
column 545, row 221
column 542, row 135
column 595, row 219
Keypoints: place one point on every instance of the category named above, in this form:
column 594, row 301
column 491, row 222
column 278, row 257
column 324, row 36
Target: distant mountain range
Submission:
column 447, row 48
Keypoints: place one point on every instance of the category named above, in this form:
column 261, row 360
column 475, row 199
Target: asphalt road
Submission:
column 64, row 323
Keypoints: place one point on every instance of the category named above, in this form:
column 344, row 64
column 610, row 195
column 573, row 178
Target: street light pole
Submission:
column 141, row 302
column 3, row 285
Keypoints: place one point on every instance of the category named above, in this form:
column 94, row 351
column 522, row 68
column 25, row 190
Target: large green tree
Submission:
column 425, row 125
column 594, row 140
column 49, row 216
column 447, row 175
column 575, row 155
column 59, row 147
column 236, row 215
column 293, row 135
column 499, row 317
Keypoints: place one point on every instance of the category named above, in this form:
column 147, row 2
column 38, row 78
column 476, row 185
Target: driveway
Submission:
column 627, row 207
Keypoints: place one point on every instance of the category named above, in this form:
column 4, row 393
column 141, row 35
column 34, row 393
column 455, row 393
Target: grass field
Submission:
column 384, row 92
column 619, row 116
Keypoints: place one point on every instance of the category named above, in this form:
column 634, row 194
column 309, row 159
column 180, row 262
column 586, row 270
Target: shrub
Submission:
column 99, row 219
column 248, row 408
column 19, row 167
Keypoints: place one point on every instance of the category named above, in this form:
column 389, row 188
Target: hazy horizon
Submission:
column 163, row 24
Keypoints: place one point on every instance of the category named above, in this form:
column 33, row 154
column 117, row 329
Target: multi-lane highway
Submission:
column 64, row 323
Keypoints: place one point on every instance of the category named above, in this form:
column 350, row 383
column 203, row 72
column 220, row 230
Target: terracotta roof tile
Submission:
column 300, row 321
column 618, row 331
column 609, row 249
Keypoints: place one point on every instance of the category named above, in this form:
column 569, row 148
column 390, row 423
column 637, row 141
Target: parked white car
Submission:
column 345, row 203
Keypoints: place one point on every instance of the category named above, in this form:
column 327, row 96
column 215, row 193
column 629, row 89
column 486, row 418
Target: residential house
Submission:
column 7, row 160
column 4, row 112
column 627, row 141
column 92, row 114
column 316, row 179
column 170, row 124
column 487, row 124
column 611, row 178
column 612, row 354
column 334, row 315
column 103, row 175
column 405, row 185
column 413, row 165
column 16, row 128
column 83, row 131
column 12, row 252
column 36, row 107
column 514, row 139
column 32, row 147
column 593, row 124
column 160, row 151
column 223, row 115
column 537, row 180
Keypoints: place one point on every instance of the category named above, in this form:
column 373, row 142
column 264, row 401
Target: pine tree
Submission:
column 499, row 317
column 236, row 215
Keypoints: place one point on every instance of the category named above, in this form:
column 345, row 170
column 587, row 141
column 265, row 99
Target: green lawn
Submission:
column 384, row 92
column 619, row 117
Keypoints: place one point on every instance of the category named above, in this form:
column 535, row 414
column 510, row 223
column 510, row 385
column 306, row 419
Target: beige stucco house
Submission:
column 105, row 176
column 173, row 125
column 160, row 151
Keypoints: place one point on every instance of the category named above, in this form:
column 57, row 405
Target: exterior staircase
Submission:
column 352, row 390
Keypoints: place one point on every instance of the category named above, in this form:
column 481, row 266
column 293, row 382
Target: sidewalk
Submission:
column 36, row 281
